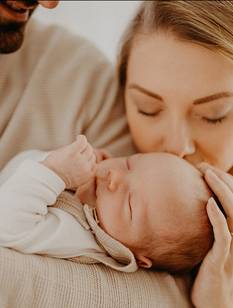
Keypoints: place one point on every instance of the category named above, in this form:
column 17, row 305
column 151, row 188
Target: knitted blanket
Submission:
column 30, row 281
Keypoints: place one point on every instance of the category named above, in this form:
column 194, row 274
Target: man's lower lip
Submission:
column 10, row 14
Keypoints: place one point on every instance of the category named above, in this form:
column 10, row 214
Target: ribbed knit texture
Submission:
column 29, row 281
column 55, row 87
column 115, row 254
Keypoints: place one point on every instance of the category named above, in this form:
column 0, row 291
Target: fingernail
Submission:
column 210, row 173
column 81, row 137
column 202, row 167
column 212, row 204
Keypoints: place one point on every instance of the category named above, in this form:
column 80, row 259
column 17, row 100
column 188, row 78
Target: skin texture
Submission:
column 179, row 122
column 182, row 73
column 144, row 191
column 12, row 28
column 135, row 190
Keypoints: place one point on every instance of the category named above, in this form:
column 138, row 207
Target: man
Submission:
column 14, row 16
column 53, row 86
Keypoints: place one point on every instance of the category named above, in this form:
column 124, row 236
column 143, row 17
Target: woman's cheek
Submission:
column 216, row 145
column 146, row 139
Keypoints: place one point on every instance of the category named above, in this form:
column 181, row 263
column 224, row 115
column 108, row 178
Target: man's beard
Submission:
column 11, row 37
column 12, row 33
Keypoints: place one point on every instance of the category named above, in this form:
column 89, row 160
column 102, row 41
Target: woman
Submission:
column 176, row 75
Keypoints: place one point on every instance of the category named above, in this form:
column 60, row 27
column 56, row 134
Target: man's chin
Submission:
column 10, row 48
column 11, row 40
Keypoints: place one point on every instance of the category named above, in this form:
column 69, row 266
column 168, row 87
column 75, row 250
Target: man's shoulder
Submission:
column 54, row 40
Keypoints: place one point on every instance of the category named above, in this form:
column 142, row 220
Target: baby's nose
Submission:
column 113, row 180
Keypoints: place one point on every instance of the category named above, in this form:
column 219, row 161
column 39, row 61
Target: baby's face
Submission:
column 144, row 192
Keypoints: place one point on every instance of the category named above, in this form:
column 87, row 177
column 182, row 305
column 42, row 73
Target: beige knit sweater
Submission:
column 55, row 87
column 29, row 281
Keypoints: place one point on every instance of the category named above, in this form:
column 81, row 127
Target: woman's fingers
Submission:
column 222, row 235
column 225, row 196
column 222, row 191
column 227, row 178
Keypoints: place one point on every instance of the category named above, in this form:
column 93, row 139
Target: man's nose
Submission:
column 179, row 141
column 48, row 4
column 113, row 180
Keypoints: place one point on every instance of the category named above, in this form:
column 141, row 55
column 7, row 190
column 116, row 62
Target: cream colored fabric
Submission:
column 36, row 217
column 28, row 222
column 32, row 281
column 115, row 255
column 56, row 86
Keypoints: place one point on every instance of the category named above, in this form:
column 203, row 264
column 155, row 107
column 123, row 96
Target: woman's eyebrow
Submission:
column 197, row 101
column 145, row 91
column 213, row 97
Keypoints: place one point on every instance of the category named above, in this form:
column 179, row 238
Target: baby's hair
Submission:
column 179, row 253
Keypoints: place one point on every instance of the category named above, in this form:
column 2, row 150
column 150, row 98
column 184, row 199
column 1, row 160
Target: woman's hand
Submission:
column 213, row 286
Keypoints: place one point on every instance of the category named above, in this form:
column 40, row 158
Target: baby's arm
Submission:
column 27, row 223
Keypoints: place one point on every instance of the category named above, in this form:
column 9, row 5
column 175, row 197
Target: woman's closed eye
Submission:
column 213, row 113
column 149, row 114
column 214, row 121
column 147, row 107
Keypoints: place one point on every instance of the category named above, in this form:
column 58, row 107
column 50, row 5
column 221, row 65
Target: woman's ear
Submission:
column 143, row 261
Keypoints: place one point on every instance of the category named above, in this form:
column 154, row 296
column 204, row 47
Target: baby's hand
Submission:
column 102, row 154
column 74, row 163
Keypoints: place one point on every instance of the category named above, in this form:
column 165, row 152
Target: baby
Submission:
column 154, row 204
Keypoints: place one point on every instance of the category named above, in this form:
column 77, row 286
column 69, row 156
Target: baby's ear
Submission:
column 143, row 261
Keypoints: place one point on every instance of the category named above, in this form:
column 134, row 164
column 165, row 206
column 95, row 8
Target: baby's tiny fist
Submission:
column 81, row 143
column 81, row 139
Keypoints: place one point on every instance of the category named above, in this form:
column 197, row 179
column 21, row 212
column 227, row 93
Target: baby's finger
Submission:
column 80, row 144
column 222, row 191
column 92, row 160
column 88, row 152
column 102, row 154
column 222, row 235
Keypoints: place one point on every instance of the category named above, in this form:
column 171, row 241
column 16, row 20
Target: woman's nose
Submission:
column 113, row 180
column 179, row 141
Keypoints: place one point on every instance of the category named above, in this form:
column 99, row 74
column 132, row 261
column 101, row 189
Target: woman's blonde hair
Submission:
column 207, row 23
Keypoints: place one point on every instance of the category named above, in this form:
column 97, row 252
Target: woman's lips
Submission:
column 12, row 11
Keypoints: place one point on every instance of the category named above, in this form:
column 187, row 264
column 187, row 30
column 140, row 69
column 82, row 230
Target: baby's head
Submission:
column 155, row 204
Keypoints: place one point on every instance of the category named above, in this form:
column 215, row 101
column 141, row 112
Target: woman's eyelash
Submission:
column 214, row 121
column 210, row 121
column 149, row 114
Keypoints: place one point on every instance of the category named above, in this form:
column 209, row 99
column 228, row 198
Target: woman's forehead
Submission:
column 159, row 60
